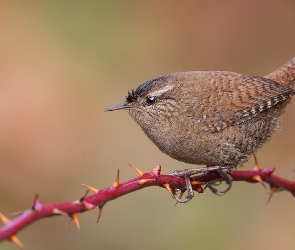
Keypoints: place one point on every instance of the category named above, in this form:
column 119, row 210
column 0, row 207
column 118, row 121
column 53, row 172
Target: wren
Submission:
column 212, row 118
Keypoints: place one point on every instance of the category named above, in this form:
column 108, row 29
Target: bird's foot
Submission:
column 189, row 188
column 187, row 173
column 225, row 176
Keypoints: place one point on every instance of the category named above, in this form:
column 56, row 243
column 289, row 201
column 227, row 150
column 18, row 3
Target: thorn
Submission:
column 94, row 190
column 37, row 203
column 182, row 191
column 256, row 165
column 269, row 197
column 116, row 183
column 198, row 182
column 15, row 214
column 3, row 218
column 99, row 213
column 258, row 179
column 80, row 201
column 167, row 186
column 59, row 212
column 273, row 189
column 137, row 170
column 16, row 241
column 144, row 181
column 75, row 218
column 84, row 196
column 157, row 170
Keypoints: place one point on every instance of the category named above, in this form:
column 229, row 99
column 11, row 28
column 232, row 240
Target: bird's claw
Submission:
column 187, row 173
column 228, row 180
column 190, row 191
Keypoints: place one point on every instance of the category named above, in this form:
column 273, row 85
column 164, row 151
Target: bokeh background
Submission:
column 63, row 62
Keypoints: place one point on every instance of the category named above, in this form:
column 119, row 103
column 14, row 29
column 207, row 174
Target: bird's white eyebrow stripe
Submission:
column 161, row 91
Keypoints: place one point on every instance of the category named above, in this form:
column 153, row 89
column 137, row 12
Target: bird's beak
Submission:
column 122, row 105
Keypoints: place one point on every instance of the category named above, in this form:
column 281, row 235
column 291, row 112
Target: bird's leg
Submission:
column 187, row 173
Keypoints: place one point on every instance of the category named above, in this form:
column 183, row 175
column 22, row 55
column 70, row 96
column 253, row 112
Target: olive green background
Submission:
column 63, row 62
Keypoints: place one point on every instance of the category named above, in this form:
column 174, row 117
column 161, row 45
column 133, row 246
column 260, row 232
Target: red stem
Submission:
column 154, row 178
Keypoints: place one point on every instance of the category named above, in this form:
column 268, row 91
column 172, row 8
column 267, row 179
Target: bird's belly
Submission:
column 228, row 147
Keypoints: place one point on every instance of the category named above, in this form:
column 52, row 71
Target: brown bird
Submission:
column 212, row 118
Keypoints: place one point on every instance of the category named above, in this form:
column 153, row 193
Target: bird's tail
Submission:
column 284, row 75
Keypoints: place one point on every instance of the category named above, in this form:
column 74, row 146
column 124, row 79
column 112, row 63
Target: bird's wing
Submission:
column 236, row 100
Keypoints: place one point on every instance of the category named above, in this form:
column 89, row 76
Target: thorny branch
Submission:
column 154, row 178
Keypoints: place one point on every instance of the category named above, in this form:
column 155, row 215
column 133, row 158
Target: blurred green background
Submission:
column 63, row 62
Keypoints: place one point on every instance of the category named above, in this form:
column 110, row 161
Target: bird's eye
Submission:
column 150, row 100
